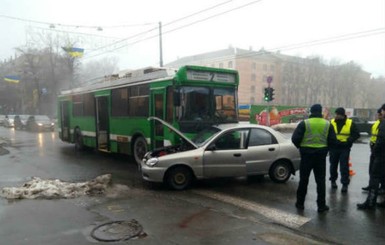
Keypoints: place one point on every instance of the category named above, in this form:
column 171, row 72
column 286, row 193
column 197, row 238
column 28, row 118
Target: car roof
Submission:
column 239, row 125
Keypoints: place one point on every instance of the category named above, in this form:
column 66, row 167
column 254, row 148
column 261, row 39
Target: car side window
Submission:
column 261, row 137
column 232, row 140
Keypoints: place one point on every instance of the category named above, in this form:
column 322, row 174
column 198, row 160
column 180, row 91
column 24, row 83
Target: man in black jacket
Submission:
column 346, row 132
column 313, row 136
column 378, row 168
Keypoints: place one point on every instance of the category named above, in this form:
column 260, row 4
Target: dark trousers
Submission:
column 377, row 174
column 341, row 157
column 371, row 164
column 317, row 163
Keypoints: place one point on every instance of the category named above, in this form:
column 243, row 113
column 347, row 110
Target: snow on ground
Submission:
column 49, row 189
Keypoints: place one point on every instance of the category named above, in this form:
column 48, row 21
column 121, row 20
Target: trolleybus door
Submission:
column 64, row 121
column 102, row 133
column 158, row 111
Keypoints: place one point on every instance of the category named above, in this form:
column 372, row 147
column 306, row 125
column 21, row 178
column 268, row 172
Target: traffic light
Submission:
column 269, row 94
column 266, row 95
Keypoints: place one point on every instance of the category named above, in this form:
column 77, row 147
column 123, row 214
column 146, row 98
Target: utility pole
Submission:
column 160, row 45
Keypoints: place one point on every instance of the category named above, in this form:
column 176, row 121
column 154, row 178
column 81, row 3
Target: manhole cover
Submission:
column 119, row 230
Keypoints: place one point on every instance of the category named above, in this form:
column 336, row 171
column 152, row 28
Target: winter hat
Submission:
column 316, row 108
column 340, row 111
column 379, row 111
column 383, row 107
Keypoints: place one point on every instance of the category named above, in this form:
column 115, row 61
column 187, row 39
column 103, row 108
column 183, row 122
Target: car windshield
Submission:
column 205, row 135
column 24, row 117
column 42, row 118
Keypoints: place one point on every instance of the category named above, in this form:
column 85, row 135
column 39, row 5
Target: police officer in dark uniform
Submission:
column 378, row 168
column 346, row 132
column 373, row 138
column 313, row 137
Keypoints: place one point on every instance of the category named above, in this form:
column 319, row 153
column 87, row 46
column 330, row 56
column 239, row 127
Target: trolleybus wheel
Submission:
column 140, row 149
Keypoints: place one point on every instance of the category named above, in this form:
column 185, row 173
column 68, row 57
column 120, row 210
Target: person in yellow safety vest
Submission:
column 346, row 132
column 373, row 138
column 313, row 137
column 378, row 169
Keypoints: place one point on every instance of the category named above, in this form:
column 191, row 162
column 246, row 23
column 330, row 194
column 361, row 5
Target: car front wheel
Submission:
column 179, row 178
column 280, row 172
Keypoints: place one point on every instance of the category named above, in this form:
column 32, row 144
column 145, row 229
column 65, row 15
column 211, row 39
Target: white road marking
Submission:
column 279, row 216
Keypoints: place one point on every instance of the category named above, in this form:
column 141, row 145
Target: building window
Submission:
column 220, row 65
column 252, row 89
column 264, row 67
column 230, row 64
column 264, row 78
column 253, row 66
column 253, row 77
column 272, row 67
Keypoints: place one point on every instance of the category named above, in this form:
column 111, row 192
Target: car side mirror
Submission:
column 211, row 147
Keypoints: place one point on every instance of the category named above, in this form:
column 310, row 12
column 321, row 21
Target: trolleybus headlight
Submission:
column 152, row 161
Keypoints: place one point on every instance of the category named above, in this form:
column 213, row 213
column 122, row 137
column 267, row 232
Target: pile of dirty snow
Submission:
column 48, row 189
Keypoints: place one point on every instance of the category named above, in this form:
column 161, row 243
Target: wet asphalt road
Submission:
column 225, row 211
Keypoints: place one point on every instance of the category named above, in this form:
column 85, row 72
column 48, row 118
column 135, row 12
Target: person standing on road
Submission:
column 373, row 138
column 313, row 136
column 378, row 168
column 346, row 132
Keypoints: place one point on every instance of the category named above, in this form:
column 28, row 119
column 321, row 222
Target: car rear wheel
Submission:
column 179, row 178
column 280, row 172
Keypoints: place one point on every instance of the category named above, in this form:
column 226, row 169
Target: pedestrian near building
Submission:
column 346, row 132
column 313, row 137
column 373, row 138
column 378, row 168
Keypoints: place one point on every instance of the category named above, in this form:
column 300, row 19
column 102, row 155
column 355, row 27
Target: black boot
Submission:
column 371, row 201
column 366, row 188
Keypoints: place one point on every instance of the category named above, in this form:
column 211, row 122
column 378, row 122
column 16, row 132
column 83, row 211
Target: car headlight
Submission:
column 40, row 124
column 152, row 161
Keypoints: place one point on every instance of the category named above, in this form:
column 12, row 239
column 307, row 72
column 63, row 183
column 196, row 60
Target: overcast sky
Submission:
column 295, row 27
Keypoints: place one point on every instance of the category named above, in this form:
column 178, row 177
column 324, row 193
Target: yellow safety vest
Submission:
column 374, row 132
column 344, row 134
column 316, row 133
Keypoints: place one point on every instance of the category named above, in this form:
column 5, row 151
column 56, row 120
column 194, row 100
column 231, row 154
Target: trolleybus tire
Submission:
column 139, row 149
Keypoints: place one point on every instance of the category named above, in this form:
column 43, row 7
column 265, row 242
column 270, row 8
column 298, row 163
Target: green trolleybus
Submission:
column 111, row 115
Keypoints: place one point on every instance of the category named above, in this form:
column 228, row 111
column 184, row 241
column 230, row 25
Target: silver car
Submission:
column 228, row 150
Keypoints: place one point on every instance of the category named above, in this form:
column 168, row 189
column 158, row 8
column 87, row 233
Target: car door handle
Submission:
column 237, row 154
column 271, row 149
